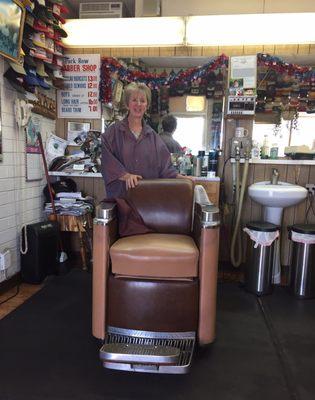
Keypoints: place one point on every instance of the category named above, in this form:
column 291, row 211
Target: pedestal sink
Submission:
column 275, row 198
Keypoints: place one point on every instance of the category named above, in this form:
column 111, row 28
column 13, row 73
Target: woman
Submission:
column 131, row 149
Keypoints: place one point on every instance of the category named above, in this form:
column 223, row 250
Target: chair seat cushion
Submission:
column 155, row 255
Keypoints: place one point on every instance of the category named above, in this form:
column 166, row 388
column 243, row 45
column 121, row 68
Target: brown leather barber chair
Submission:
column 154, row 294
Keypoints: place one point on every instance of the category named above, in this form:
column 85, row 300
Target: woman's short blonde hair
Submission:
column 136, row 87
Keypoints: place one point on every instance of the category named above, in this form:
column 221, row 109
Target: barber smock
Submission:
column 123, row 153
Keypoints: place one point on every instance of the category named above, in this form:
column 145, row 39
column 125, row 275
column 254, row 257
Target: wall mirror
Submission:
column 285, row 110
column 200, row 116
column 195, row 96
column 1, row 150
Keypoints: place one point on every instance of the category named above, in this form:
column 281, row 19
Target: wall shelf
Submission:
column 278, row 161
column 76, row 174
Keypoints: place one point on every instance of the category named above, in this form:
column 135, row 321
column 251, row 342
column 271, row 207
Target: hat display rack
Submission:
column 42, row 52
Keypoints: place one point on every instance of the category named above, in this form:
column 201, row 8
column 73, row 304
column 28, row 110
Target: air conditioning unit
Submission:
column 110, row 9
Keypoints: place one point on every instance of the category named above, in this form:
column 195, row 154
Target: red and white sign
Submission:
column 80, row 96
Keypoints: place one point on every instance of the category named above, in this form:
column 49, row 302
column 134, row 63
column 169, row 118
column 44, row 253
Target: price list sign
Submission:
column 79, row 98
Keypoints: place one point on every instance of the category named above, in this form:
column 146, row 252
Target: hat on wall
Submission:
column 39, row 25
column 58, row 74
column 17, row 68
column 59, row 9
column 43, row 84
column 31, row 77
column 40, row 69
column 15, row 80
column 29, row 61
column 60, row 31
column 39, row 39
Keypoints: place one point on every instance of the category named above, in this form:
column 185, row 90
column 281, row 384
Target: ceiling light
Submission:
column 250, row 29
column 123, row 32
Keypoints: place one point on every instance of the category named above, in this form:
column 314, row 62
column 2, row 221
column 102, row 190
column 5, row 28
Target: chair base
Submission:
column 144, row 351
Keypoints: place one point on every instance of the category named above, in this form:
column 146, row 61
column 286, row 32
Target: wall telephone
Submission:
column 22, row 111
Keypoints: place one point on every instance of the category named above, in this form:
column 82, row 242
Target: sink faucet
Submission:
column 274, row 176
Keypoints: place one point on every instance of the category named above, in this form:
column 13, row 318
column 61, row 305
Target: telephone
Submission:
column 22, row 111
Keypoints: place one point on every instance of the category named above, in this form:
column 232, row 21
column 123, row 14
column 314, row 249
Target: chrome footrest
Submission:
column 143, row 351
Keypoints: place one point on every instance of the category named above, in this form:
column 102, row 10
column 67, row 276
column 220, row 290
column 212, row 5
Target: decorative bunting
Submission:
column 112, row 69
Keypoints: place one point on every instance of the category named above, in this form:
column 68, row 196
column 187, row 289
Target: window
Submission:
column 288, row 133
column 189, row 132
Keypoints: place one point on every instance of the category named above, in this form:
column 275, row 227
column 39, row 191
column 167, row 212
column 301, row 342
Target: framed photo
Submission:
column 77, row 132
column 34, row 171
column 12, row 15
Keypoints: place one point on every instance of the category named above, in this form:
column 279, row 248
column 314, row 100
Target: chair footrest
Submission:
column 143, row 351
column 139, row 353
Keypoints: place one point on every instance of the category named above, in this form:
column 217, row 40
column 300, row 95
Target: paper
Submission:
column 55, row 147
column 244, row 67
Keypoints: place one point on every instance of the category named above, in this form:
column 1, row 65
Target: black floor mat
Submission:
column 47, row 351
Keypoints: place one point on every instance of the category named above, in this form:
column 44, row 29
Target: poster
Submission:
column 33, row 165
column 80, row 96
column 244, row 67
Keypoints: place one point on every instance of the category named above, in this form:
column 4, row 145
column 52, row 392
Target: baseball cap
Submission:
column 40, row 69
column 29, row 19
column 15, row 80
column 17, row 68
column 39, row 25
column 31, row 77
column 39, row 39
column 29, row 61
column 60, row 31
column 43, row 83
column 59, row 9
column 50, row 32
column 58, row 74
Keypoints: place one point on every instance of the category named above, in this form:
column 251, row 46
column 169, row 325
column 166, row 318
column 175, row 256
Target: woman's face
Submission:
column 137, row 104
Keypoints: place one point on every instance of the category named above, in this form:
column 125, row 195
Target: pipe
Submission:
column 239, row 204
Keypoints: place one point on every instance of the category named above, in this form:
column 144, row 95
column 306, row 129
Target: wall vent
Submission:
column 112, row 9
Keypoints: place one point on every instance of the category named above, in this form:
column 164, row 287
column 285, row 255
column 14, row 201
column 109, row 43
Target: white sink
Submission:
column 281, row 195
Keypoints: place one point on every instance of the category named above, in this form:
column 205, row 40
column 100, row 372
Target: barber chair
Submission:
column 154, row 294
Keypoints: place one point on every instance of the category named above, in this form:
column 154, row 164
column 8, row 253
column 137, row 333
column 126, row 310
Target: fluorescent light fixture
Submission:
column 124, row 32
column 250, row 29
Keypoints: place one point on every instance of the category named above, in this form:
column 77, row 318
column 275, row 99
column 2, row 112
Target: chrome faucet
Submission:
column 274, row 176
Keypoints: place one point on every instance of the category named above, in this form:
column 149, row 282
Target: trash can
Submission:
column 302, row 269
column 260, row 255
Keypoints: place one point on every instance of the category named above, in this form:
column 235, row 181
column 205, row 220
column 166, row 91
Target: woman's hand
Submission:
column 131, row 180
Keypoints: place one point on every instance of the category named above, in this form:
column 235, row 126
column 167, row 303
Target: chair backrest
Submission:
column 165, row 205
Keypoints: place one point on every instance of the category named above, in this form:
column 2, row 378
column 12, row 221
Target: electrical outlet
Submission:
column 310, row 188
column 5, row 259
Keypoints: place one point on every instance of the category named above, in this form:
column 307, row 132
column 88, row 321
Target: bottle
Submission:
column 274, row 151
column 199, row 162
column 265, row 149
column 213, row 160
column 255, row 153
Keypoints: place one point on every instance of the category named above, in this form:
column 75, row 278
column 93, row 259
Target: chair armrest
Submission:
column 104, row 235
column 206, row 216
column 105, row 212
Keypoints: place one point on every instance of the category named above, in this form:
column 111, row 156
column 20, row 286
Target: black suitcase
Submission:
column 40, row 245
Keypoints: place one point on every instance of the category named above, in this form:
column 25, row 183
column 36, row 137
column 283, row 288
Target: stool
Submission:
column 77, row 223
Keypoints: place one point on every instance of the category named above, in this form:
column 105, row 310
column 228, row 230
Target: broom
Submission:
column 62, row 254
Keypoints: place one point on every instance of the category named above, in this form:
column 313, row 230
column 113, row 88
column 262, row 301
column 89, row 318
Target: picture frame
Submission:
column 12, row 16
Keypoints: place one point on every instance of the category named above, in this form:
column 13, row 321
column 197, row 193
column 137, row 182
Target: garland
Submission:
column 301, row 73
column 111, row 69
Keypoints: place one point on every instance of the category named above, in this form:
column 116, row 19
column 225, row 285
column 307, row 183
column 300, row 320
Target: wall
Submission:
column 204, row 7
column 21, row 202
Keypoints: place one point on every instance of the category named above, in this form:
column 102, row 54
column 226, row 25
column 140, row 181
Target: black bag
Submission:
column 64, row 185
